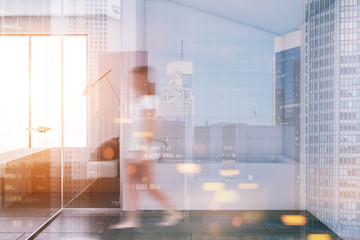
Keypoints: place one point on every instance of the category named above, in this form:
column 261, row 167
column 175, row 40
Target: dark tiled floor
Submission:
column 11, row 235
column 196, row 225
column 19, row 219
column 19, row 227
column 99, row 195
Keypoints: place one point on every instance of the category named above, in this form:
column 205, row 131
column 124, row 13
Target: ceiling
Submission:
column 276, row 16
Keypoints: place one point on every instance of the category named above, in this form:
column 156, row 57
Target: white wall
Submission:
column 260, row 140
column 276, row 183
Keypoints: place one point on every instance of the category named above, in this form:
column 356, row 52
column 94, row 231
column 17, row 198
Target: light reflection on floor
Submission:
column 196, row 225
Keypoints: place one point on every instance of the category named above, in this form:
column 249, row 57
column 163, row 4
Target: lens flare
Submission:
column 252, row 217
column 226, row 196
column 319, row 237
column 108, row 153
column 188, row 168
column 294, row 220
column 248, row 186
column 214, row 228
column 131, row 169
column 123, row 120
column 145, row 134
column 229, row 172
column 214, row 205
column 213, row 186
column 236, row 221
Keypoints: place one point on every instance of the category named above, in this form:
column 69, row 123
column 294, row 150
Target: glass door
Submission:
column 43, row 154
column 30, row 152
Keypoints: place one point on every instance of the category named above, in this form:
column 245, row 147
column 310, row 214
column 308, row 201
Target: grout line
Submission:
column 20, row 236
column 108, row 224
column 264, row 226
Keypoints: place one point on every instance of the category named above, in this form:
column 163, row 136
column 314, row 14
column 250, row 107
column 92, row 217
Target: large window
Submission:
column 31, row 73
column 41, row 79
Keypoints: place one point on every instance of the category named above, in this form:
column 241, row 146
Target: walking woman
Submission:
column 140, row 156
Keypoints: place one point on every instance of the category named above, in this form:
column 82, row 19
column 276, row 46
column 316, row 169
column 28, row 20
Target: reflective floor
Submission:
column 214, row 225
column 100, row 194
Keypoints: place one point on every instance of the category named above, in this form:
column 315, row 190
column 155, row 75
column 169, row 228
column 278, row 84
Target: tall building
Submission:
column 332, row 114
column 90, row 17
column 178, row 105
column 186, row 69
column 287, row 84
column 286, row 90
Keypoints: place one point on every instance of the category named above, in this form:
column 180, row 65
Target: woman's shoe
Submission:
column 171, row 219
column 126, row 224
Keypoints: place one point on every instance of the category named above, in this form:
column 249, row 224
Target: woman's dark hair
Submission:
column 141, row 83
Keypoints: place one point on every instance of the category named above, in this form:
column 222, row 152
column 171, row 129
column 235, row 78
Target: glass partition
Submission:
column 228, row 128
column 220, row 86
column 39, row 117
column 245, row 116
column 31, row 126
